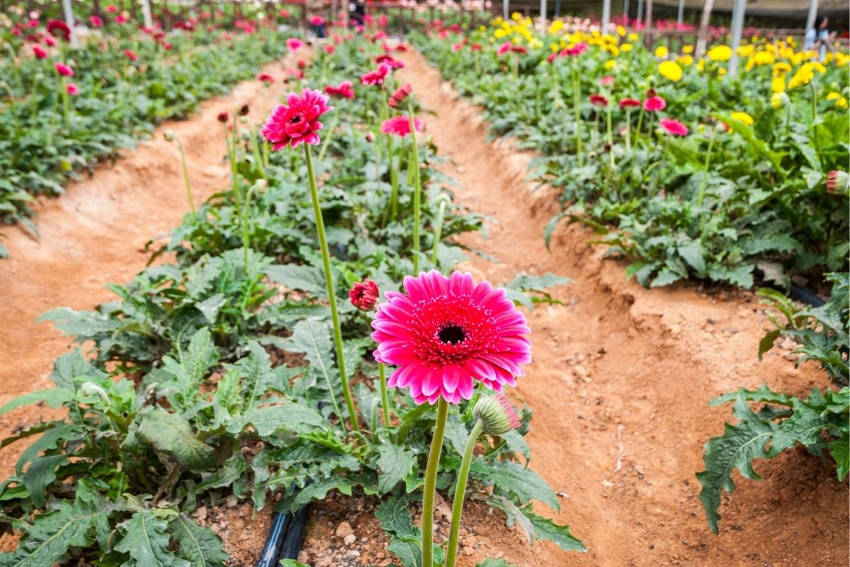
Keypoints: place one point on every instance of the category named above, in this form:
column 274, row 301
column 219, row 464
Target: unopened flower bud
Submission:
column 838, row 182
column 244, row 110
column 496, row 413
column 168, row 135
column 222, row 117
column 363, row 295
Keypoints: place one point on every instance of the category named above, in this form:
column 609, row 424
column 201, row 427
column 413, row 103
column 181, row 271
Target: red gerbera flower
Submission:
column 629, row 103
column 400, row 126
column 363, row 295
column 131, row 55
column 58, row 28
column 111, row 8
column 654, row 104
column 598, row 100
column 504, row 48
column 297, row 121
column 63, row 69
column 399, row 95
column 673, row 127
column 575, row 50
column 265, row 78
column 344, row 90
column 96, row 21
column 445, row 333
column 377, row 76
column 39, row 52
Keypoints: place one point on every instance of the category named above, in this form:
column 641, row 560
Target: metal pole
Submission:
column 69, row 19
column 505, row 9
column 680, row 14
column 542, row 16
column 606, row 15
column 626, row 11
column 738, row 10
column 813, row 14
column 146, row 14
column 557, row 9
column 640, row 11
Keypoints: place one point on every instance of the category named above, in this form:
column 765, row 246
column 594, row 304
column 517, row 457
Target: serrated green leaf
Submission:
column 295, row 276
column 544, row 528
column 394, row 515
column 146, row 540
column 285, row 415
column 54, row 397
column 516, row 480
column 170, row 433
column 199, row 545
column 395, row 462
column 494, row 563
column 40, row 474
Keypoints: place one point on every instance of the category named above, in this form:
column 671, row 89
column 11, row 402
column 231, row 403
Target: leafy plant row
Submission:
column 213, row 374
column 684, row 170
column 64, row 109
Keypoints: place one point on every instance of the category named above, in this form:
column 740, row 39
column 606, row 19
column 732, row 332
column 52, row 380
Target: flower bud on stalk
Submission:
column 363, row 295
column 496, row 414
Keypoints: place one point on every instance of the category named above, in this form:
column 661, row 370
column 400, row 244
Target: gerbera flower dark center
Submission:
column 452, row 334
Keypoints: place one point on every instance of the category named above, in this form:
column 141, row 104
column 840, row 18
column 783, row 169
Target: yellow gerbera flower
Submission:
column 742, row 117
column 720, row 53
column 687, row 49
column 661, row 51
column 626, row 47
column 670, row 70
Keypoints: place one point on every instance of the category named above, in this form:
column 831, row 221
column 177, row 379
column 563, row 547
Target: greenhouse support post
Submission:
column 702, row 35
column 680, row 14
column 606, row 16
column 813, row 14
column 505, row 8
column 542, row 16
column 146, row 13
column 626, row 11
column 738, row 10
column 69, row 19
column 640, row 11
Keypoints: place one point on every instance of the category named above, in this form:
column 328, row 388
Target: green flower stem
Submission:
column 438, row 230
column 326, row 264
column 66, row 103
column 431, row 483
column 577, row 112
column 704, row 181
column 385, row 398
column 628, row 130
column 460, row 489
column 417, row 190
column 185, row 174
column 329, row 136
column 639, row 124
column 255, row 151
column 610, row 137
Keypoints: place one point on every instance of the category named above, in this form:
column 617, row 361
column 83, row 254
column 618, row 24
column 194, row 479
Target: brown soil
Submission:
column 95, row 233
column 619, row 385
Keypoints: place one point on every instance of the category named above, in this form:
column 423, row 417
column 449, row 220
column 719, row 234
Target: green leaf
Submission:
column 40, row 474
column 694, row 254
column 197, row 544
column 295, row 276
column 146, row 541
column 394, row 515
column 840, row 451
column 494, row 563
column 395, row 463
column 544, row 528
column 766, row 342
column 515, row 480
column 170, row 433
column 736, row 448
column 292, row 563
column 54, row 397
column 286, row 415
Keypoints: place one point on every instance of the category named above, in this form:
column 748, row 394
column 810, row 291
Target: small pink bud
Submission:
column 363, row 295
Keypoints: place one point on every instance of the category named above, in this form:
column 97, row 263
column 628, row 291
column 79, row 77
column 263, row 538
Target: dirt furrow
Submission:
column 620, row 383
column 95, row 233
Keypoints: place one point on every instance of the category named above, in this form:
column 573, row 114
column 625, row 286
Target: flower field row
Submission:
column 245, row 366
column 62, row 109
column 691, row 173
column 687, row 172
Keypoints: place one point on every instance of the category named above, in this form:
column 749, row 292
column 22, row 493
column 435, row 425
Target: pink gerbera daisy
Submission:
column 673, row 127
column 629, row 103
column 72, row 89
column 400, row 95
column 39, row 51
column 400, row 126
column 63, row 69
column 654, row 103
column 344, row 90
column 444, row 333
column 297, row 121
column 504, row 48
column 363, row 295
column 294, row 44
column 377, row 76
column 131, row 55
column 265, row 78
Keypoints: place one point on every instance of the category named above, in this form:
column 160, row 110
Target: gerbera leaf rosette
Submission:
column 446, row 333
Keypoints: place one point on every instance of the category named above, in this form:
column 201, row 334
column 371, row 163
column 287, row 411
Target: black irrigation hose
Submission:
column 285, row 538
column 805, row 295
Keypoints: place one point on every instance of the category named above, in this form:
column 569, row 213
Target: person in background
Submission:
column 356, row 13
column 818, row 38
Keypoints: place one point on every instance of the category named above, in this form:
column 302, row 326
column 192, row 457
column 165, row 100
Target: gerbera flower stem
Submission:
column 577, row 112
column 66, row 103
column 628, row 130
column 430, row 488
column 460, row 490
column 639, row 124
column 610, row 137
column 438, row 228
column 417, row 189
column 704, row 181
column 185, row 175
column 326, row 264
column 385, row 398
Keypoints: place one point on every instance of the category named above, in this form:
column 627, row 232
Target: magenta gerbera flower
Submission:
column 344, row 90
column 294, row 44
column 654, row 104
column 400, row 126
column 673, row 127
column 377, row 76
column 63, row 69
column 444, row 333
column 297, row 121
